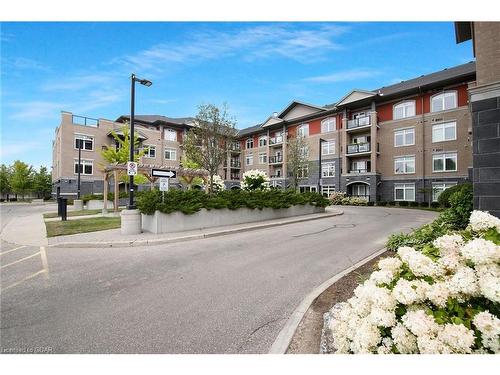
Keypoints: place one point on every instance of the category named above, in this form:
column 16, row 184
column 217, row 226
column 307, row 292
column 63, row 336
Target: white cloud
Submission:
column 22, row 63
column 34, row 110
column 343, row 76
column 94, row 81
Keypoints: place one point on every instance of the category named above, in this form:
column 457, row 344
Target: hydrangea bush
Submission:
column 217, row 184
column 255, row 180
column 442, row 299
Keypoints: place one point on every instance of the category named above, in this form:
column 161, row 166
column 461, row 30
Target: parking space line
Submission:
column 23, row 280
column 20, row 260
column 11, row 250
column 45, row 263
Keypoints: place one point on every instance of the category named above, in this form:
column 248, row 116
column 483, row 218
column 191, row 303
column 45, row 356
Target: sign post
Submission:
column 164, row 187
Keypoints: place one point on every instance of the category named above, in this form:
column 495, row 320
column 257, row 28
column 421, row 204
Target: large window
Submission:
column 308, row 189
column 404, row 192
column 439, row 187
column 85, row 142
column 327, row 190
column 303, row 172
column 150, row 151
column 249, row 159
column 328, row 147
column 328, row 124
column 444, row 132
column 304, row 151
column 262, row 140
column 328, row 169
column 444, row 101
column 404, row 137
column 249, row 143
column 170, row 135
column 262, row 158
column 404, row 165
column 170, row 154
column 445, row 162
column 303, row 130
column 404, row 109
column 86, row 167
column 360, row 166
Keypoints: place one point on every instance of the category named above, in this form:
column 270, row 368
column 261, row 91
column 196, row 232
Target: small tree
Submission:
column 5, row 187
column 208, row 142
column 190, row 181
column 42, row 182
column 21, row 178
column 297, row 158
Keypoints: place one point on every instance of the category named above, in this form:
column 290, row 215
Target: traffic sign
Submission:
column 155, row 172
column 164, row 183
column 131, row 168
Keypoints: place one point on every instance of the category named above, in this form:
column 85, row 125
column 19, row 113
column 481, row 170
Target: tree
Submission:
column 190, row 181
column 208, row 142
column 5, row 187
column 21, row 178
column 297, row 158
column 42, row 182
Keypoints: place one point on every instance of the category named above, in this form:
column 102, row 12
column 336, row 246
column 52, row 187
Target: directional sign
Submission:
column 163, row 173
column 131, row 168
column 164, row 183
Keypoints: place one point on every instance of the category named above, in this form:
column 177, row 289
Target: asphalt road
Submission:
column 229, row 294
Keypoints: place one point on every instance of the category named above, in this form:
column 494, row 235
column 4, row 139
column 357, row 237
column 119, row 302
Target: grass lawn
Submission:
column 63, row 228
column 76, row 213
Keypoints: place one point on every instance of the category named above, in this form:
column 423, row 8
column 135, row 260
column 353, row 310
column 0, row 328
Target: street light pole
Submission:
column 80, row 167
column 319, row 169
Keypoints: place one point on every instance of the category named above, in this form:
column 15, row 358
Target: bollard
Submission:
column 59, row 206
column 64, row 209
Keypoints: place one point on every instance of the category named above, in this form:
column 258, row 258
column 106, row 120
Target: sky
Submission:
column 256, row 68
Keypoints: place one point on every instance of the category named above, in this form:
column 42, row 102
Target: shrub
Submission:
column 191, row 201
column 443, row 299
column 403, row 203
column 391, row 203
column 217, row 184
column 382, row 203
column 370, row 203
column 435, row 204
column 460, row 208
column 254, row 180
column 444, row 197
column 424, row 204
column 336, row 197
column 414, row 204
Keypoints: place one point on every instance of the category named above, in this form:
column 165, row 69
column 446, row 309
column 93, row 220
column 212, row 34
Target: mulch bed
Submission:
column 307, row 337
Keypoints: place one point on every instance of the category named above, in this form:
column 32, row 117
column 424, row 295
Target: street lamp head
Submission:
column 145, row 82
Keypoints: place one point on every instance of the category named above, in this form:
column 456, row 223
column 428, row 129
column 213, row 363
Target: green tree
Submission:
column 297, row 158
column 190, row 181
column 208, row 142
column 42, row 182
column 5, row 187
column 21, row 178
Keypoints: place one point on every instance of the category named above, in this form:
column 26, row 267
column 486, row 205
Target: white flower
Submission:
column 438, row 293
column 481, row 251
column 448, row 243
column 366, row 338
column 450, row 261
column 382, row 318
column 481, row 221
column 420, row 264
column 217, row 183
column 464, row 281
column 489, row 281
column 381, row 277
column 458, row 337
column 405, row 341
column 408, row 292
column 382, row 298
column 386, row 346
column 431, row 345
column 489, row 325
column 392, row 265
column 419, row 323
column 255, row 175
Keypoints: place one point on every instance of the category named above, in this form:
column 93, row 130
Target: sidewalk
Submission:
column 113, row 237
column 26, row 230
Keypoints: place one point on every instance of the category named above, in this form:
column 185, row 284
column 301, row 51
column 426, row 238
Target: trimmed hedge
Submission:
column 111, row 196
column 192, row 201
column 444, row 197
column 403, row 203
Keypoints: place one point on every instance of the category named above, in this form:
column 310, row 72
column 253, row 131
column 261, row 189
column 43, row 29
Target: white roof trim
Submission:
column 354, row 96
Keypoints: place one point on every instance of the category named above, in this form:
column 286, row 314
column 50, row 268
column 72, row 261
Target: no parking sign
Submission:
column 164, row 184
column 131, row 168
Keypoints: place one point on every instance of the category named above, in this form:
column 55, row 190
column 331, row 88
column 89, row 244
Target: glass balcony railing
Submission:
column 235, row 164
column 275, row 159
column 276, row 140
column 366, row 170
column 356, row 148
column 236, row 147
column 358, row 122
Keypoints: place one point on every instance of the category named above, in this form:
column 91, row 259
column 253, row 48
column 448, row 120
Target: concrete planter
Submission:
column 95, row 204
column 178, row 222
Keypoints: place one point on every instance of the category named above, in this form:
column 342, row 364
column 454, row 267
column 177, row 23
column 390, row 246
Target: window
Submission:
column 328, row 148
column 84, row 142
column 170, row 135
column 439, row 187
column 360, row 166
column 150, row 151
column 249, row 159
column 303, row 130
column 404, row 192
column 262, row 158
column 304, row 151
column 328, row 124
column 327, row 190
column 262, row 141
column 445, row 162
column 170, row 154
column 360, row 190
column 404, row 109
column 303, row 172
column 444, row 132
column 327, row 169
column 404, row 137
column 405, row 164
column 249, row 143
column 444, row 101
column 86, row 167
column 308, row 189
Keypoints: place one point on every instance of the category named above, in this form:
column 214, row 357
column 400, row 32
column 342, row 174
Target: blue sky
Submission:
column 257, row 68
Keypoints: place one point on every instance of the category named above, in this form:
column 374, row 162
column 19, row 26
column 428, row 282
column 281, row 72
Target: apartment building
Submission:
column 408, row 141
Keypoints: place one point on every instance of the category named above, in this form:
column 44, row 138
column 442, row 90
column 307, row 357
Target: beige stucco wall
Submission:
column 487, row 44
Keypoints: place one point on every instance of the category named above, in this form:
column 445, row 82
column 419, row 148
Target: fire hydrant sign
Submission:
column 131, row 168
column 164, row 184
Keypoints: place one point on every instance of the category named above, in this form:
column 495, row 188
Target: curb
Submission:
column 161, row 241
column 282, row 342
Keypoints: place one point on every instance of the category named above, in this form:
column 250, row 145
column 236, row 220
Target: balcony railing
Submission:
column 275, row 176
column 356, row 148
column 276, row 140
column 275, row 159
column 235, row 164
column 358, row 122
column 85, row 121
column 235, row 177
column 366, row 170
column 236, row 147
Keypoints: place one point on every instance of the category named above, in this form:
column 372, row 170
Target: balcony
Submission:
column 235, row 177
column 358, row 148
column 354, row 171
column 235, row 164
column 276, row 140
column 235, row 147
column 359, row 122
column 277, row 159
column 85, row 121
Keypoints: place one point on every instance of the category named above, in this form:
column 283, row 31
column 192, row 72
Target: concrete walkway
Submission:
column 26, row 230
column 113, row 237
